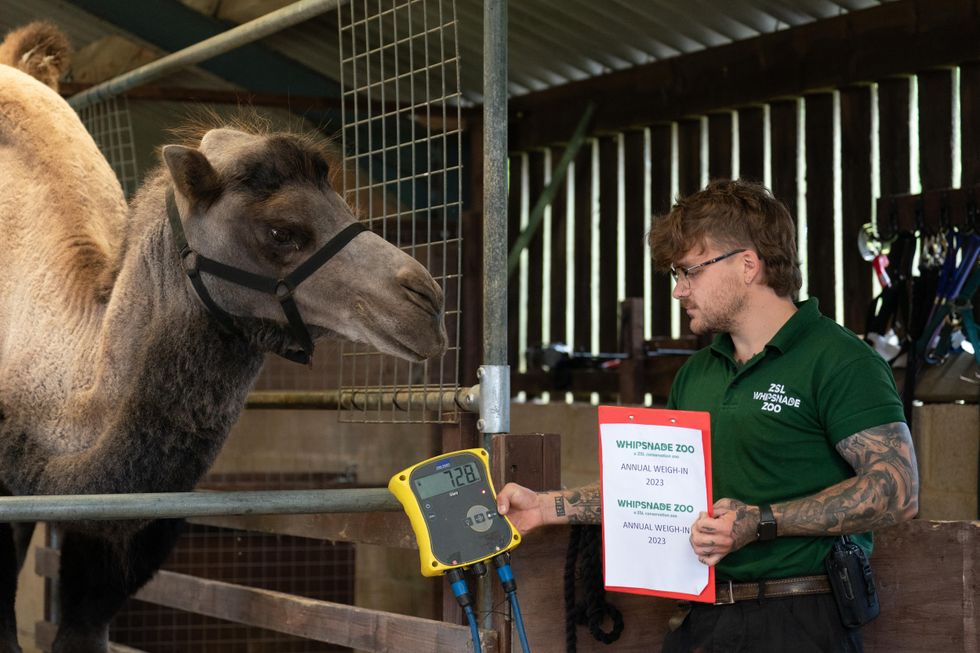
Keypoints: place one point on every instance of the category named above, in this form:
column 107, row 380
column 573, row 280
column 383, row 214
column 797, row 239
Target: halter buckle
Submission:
column 283, row 290
column 189, row 259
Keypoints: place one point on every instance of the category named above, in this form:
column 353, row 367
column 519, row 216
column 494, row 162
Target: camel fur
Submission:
column 113, row 376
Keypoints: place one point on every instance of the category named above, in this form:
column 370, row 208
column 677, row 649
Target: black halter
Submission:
column 193, row 264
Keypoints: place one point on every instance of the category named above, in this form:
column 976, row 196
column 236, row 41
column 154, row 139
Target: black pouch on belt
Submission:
column 852, row 582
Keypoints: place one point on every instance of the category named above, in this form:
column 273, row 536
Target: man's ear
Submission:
column 751, row 266
column 194, row 176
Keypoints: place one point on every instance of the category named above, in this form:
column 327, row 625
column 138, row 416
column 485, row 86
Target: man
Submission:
column 807, row 430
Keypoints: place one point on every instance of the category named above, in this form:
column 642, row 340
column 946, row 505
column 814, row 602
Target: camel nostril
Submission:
column 421, row 290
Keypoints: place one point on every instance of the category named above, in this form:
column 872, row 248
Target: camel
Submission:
column 117, row 372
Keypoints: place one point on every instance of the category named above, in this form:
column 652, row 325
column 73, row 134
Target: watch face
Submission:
column 767, row 531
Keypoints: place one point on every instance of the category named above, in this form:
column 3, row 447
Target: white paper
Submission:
column 653, row 487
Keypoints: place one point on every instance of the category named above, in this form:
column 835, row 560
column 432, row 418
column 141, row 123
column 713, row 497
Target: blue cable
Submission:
column 519, row 621
column 462, row 593
column 506, row 575
column 474, row 631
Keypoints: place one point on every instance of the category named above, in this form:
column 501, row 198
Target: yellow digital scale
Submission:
column 452, row 505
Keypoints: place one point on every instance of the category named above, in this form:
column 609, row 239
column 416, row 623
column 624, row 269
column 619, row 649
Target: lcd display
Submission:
column 447, row 480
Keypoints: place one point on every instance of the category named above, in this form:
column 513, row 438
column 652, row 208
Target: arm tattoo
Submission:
column 585, row 505
column 560, row 506
column 746, row 523
column 885, row 490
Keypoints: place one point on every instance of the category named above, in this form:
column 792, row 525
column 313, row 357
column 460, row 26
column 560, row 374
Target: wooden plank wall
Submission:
column 925, row 572
column 825, row 134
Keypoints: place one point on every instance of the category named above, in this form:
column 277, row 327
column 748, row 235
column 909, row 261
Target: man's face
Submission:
column 709, row 289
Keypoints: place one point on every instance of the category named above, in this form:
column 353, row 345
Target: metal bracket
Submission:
column 494, row 398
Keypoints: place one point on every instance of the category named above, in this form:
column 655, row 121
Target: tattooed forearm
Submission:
column 884, row 492
column 584, row 505
column 560, row 506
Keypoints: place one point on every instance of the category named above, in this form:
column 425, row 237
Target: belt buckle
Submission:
column 731, row 595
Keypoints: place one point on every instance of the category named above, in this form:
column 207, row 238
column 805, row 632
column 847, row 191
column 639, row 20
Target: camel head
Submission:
column 263, row 203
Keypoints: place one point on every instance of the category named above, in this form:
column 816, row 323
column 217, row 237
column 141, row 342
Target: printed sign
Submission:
column 655, row 478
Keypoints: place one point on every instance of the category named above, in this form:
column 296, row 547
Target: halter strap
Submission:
column 283, row 289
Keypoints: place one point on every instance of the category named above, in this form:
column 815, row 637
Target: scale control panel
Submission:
column 452, row 506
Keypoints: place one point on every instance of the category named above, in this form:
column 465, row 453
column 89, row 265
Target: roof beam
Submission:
column 172, row 26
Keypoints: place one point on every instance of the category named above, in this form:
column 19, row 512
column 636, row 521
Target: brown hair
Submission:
column 731, row 214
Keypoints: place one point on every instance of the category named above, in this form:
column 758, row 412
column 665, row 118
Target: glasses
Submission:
column 688, row 273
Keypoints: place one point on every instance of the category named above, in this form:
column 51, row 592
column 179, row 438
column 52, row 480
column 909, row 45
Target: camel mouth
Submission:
column 415, row 345
column 412, row 347
column 414, row 352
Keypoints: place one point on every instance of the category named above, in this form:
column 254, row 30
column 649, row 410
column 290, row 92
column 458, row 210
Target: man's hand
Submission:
column 522, row 506
column 528, row 509
column 733, row 526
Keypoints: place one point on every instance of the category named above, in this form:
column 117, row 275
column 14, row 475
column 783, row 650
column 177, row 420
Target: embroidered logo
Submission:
column 775, row 398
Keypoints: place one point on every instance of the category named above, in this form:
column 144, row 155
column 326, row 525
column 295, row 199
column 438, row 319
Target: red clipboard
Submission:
column 696, row 420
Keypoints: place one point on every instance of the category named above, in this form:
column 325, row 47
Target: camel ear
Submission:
column 192, row 173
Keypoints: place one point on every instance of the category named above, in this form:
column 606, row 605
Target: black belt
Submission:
column 727, row 592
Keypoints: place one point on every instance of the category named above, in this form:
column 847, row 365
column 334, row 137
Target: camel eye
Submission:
column 281, row 236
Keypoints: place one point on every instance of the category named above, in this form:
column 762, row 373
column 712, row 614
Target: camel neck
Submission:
column 169, row 388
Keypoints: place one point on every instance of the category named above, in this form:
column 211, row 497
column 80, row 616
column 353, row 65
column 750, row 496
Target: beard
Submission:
column 719, row 311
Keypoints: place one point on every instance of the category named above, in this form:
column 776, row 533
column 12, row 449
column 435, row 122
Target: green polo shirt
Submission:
column 775, row 421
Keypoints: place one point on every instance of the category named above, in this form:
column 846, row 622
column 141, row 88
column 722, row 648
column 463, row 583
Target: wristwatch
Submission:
column 767, row 524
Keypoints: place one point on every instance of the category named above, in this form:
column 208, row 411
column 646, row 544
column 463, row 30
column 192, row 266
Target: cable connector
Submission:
column 460, row 589
column 505, row 573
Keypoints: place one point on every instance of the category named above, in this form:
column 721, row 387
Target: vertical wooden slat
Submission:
column 608, row 243
column 751, row 139
column 970, row 132
column 855, row 120
column 689, row 169
column 535, row 276
column 819, row 130
column 969, row 125
column 559, row 231
column 634, row 178
column 893, row 126
column 660, row 203
column 783, row 119
column 689, row 156
column 514, row 192
column 720, row 145
column 582, row 262
column 936, row 128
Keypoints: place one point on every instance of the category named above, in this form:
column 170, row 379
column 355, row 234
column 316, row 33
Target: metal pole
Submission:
column 226, row 41
column 494, row 374
column 193, row 504
column 465, row 399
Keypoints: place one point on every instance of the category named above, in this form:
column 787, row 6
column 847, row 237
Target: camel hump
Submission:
column 40, row 49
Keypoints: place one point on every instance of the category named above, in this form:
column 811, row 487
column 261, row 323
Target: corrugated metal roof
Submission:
column 554, row 42
column 551, row 42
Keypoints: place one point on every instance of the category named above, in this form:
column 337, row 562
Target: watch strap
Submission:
column 767, row 524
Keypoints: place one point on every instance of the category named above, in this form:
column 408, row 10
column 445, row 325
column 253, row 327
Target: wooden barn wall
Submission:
column 657, row 134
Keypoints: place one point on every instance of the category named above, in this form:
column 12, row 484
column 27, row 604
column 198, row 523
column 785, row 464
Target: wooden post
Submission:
column 632, row 370
column 534, row 461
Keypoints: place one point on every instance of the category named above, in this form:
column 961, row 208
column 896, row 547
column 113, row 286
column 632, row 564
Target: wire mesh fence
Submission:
column 314, row 569
column 111, row 127
column 402, row 139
